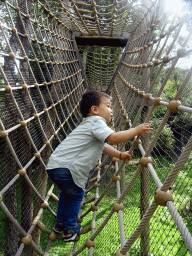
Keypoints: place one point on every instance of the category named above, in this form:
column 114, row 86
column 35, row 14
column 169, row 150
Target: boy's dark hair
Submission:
column 89, row 99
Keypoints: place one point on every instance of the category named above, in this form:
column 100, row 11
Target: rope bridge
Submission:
column 140, row 53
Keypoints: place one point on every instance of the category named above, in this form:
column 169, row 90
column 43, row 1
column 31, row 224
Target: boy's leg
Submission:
column 75, row 196
column 60, row 177
column 59, row 227
column 70, row 200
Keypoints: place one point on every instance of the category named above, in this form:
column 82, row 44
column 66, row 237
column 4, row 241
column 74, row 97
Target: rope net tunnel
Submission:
column 140, row 52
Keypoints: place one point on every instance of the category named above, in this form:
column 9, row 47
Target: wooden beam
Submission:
column 114, row 41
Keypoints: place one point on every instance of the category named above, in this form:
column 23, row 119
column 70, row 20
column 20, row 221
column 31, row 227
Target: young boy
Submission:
column 71, row 162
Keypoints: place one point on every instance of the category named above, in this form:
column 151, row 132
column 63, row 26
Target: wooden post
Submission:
column 119, row 66
column 122, row 174
column 85, row 59
column 145, row 193
column 80, row 61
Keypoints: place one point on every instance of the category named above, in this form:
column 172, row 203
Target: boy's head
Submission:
column 94, row 102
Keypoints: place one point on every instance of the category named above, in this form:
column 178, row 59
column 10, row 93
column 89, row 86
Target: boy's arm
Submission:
column 122, row 136
column 111, row 151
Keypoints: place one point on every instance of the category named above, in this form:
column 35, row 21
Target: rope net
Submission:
column 43, row 74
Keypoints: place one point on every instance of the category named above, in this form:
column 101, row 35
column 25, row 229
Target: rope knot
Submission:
column 117, row 207
column 173, row 105
column 145, row 160
column 89, row 243
column 161, row 197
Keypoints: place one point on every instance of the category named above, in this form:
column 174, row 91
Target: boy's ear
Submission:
column 93, row 110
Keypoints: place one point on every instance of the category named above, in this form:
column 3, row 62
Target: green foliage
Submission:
column 179, row 124
column 175, row 80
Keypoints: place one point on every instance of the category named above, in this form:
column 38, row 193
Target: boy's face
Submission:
column 104, row 109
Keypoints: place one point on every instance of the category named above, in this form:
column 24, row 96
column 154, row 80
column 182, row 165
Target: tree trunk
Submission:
column 11, row 234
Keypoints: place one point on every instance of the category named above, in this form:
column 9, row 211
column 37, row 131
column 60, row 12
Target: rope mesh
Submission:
column 42, row 78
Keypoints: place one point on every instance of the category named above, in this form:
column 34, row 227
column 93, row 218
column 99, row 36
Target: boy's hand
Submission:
column 143, row 128
column 126, row 155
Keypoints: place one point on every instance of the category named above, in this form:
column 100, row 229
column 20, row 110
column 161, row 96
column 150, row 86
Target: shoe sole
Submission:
column 57, row 232
column 72, row 238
